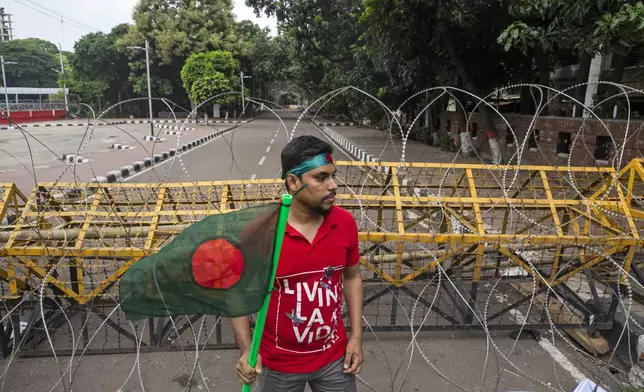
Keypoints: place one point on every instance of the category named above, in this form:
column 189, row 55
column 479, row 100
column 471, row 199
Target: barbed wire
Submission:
column 499, row 177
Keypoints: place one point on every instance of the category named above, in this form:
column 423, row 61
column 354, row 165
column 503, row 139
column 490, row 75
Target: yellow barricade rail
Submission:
column 484, row 220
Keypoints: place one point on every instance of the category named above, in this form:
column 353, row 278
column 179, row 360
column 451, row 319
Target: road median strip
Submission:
column 356, row 152
column 118, row 146
column 73, row 158
column 138, row 166
column 334, row 124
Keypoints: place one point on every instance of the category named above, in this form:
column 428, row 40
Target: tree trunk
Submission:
column 467, row 146
column 436, row 112
column 543, row 67
column 527, row 101
column 490, row 128
column 484, row 111
column 582, row 77
column 495, row 150
column 429, row 138
column 619, row 66
column 429, row 121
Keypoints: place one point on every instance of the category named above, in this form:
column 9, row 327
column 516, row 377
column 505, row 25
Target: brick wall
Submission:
column 550, row 147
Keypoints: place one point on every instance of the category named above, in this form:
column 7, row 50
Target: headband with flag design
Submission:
column 310, row 164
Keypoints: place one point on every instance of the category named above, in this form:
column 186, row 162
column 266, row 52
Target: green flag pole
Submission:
column 261, row 316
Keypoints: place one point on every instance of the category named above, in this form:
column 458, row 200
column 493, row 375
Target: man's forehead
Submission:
column 311, row 164
column 328, row 169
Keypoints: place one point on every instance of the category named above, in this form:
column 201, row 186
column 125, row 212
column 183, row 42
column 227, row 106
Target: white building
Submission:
column 6, row 27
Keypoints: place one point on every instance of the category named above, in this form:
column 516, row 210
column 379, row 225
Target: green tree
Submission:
column 207, row 74
column 175, row 29
column 99, row 69
column 429, row 43
column 560, row 32
column 261, row 56
column 37, row 59
column 318, row 37
column 618, row 33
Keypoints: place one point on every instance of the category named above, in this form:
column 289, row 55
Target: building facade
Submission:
column 557, row 141
column 6, row 26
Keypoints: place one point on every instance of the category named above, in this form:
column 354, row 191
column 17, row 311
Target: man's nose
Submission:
column 332, row 185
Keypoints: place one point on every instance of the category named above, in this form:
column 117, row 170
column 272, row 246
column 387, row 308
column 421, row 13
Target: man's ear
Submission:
column 293, row 182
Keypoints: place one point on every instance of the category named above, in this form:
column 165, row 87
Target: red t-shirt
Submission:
column 304, row 329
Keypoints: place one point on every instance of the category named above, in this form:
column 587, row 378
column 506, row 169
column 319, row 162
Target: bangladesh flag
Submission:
column 223, row 265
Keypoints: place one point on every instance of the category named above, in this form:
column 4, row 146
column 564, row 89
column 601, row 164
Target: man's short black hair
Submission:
column 302, row 148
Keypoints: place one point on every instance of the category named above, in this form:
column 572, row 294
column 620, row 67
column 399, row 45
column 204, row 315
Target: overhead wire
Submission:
column 75, row 21
column 59, row 17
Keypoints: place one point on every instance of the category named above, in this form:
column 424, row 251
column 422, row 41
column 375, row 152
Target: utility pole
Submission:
column 242, row 77
column 147, row 66
column 6, row 91
column 62, row 71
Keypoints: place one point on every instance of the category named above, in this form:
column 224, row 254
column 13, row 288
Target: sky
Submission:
column 91, row 15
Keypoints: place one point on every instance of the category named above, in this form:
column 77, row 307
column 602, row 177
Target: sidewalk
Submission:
column 375, row 145
column 84, row 122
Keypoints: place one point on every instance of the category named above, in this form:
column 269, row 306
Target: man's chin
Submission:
column 324, row 208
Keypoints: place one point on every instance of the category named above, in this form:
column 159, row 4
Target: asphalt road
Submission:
column 35, row 153
column 248, row 152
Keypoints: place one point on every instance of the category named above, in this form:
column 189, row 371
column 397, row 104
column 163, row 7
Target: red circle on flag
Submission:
column 217, row 264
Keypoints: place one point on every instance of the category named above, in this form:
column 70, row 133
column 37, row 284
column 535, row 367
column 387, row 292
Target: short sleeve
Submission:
column 353, row 256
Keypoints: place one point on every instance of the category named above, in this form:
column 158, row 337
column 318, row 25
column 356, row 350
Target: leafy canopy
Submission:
column 37, row 62
column 207, row 74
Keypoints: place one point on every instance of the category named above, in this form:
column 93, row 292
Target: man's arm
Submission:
column 353, row 295
column 353, row 284
column 241, row 327
column 353, row 357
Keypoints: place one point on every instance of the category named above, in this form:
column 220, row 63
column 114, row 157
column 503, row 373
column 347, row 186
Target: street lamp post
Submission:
column 64, row 90
column 6, row 91
column 62, row 71
column 242, row 77
column 147, row 66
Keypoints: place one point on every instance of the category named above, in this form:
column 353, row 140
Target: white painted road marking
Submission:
column 253, row 177
column 156, row 166
column 261, row 161
column 545, row 344
column 268, row 148
column 41, row 167
column 272, row 140
column 9, row 170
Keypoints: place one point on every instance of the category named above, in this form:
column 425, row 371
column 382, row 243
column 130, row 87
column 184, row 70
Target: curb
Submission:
column 328, row 124
column 128, row 170
column 176, row 128
column 149, row 138
column 73, row 158
column 358, row 153
column 118, row 146
column 125, row 122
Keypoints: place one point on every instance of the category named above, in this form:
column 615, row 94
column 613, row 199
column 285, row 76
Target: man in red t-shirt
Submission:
column 304, row 338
